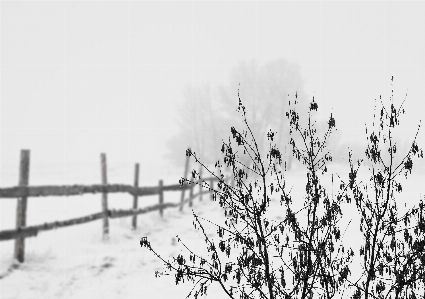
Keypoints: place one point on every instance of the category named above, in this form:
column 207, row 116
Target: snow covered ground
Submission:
column 74, row 262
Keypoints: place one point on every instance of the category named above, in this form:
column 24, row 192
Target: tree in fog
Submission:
column 266, row 91
column 197, row 118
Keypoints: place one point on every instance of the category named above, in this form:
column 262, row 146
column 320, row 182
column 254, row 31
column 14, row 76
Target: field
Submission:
column 74, row 263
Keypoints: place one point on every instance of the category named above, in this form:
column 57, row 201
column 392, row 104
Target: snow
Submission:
column 74, row 262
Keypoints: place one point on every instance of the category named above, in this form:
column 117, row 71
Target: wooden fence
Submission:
column 23, row 191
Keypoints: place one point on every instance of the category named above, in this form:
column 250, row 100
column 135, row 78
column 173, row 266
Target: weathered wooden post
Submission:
column 135, row 198
column 104, row 198
column 200, row 185
column 161, row 197
column 186, row 167
column 21, row 211
column 191, row 193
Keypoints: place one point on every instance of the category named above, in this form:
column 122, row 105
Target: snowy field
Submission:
column 75, row 263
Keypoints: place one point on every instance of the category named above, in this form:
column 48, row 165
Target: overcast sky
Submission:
column 81, row 78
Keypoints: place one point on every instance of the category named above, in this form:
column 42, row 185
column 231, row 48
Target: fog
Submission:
column 81, row 78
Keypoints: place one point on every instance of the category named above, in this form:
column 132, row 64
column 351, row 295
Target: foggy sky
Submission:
column 81, row 78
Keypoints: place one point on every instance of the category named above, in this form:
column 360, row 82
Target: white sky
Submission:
column 81, row 78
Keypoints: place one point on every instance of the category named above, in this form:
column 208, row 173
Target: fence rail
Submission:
column 23, row 192
column 70, row 190
column 32, row 231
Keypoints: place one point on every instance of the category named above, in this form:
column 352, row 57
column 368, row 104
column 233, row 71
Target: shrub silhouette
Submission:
column 394, row 267
column 254, row 256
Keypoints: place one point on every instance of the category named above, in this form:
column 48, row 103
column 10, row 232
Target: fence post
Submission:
column 161, row 197
column 212, row 188
column 21, row 210
column 191, row 193
column 136, row 184
column 104, row 198
column 200, row 185
column 185, row 176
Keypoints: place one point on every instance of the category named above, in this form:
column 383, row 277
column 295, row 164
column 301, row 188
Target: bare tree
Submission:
column 303, row 255
column 274, row 259
column 393, row 266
